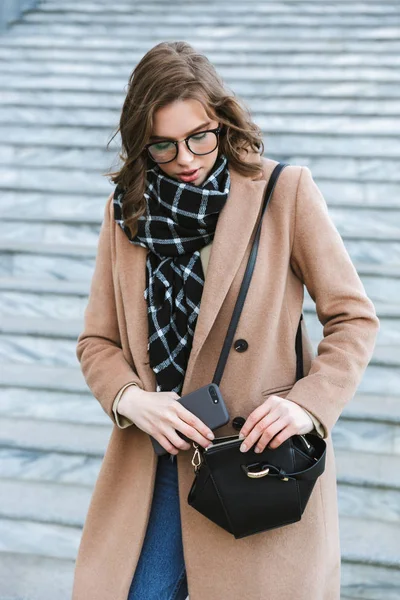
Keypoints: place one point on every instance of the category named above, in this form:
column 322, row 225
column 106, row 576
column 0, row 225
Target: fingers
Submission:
column 274, row 416
column 165, row 443
column 281, row 428
column 193, row 427
column 266, row 426
column 193, row 434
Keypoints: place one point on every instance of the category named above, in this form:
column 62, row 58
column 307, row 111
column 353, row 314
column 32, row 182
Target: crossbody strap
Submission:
column 246, row 278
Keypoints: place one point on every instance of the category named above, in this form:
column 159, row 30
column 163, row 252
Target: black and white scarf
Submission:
column 180, row 219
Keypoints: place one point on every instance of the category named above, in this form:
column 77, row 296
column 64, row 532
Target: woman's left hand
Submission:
column 276, row 418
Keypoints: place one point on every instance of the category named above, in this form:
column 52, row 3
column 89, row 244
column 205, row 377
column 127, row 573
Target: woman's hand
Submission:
column 160, row 415
column 277, row 417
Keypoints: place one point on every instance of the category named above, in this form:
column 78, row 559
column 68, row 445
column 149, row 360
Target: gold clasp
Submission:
column 196, row 459
column 257, row 474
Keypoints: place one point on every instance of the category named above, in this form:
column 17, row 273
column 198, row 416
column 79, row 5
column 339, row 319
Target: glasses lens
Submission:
column 203, row 143
column 162, row 151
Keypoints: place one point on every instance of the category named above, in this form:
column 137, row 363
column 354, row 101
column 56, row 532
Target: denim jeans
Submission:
column 160, row 573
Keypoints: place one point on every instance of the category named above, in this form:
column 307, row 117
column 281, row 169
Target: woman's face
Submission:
column 176, row 121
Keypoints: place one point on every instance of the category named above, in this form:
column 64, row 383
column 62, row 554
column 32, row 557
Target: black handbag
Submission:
column 247, row 493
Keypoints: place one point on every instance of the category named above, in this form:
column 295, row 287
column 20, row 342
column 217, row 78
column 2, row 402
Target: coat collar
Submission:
column 233, row 236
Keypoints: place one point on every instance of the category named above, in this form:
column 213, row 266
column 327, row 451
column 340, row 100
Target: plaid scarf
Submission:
column 180, row 219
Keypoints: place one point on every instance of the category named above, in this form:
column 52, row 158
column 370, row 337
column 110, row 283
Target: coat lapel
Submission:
column 233, row 235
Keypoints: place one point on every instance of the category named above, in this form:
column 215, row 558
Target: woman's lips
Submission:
column 188, row 178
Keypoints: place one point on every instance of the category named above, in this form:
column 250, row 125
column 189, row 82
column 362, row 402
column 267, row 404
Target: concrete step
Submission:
column 108, row 105
column 64, row 406
column 367, row 582
column 51, row 503
column 233, row 15
column 205, row 44
column 278, row 103
column 49, row 260
column 152, row 31
column 281, row 72
column 66, row 470
column 311, row 8
column 38, row 435
column 39, row 539
column 32, row 577
column 36, row 56
column 371, row 542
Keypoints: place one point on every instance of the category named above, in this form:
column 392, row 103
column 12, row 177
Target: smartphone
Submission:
column 207, row 404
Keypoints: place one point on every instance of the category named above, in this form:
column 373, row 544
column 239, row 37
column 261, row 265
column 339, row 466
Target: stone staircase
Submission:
column 321, row 80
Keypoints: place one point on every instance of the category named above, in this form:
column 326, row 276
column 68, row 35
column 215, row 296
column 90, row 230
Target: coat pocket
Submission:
column 277, row 390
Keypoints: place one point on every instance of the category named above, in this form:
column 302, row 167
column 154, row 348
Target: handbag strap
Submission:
column 245, row 286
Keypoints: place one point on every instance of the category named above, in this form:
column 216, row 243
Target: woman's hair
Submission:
column 168, row 72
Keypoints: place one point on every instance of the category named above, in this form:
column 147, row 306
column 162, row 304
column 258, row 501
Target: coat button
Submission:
column 241, row 345
column 238, row 422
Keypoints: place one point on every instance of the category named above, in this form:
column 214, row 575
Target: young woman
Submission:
column 173, row 247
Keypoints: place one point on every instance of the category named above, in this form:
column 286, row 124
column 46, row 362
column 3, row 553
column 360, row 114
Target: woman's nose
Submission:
column 184, row 154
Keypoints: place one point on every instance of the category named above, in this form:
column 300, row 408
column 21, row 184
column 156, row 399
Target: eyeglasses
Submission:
column 199, row 143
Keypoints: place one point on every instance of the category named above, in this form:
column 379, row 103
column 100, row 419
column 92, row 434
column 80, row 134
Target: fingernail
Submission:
column 209, row 446
column 257, row 450
column 241, row 436
column 243, row 448
column 210, row 436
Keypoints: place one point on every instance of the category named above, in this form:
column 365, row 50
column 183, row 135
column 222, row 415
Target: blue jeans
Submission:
column 160, row 573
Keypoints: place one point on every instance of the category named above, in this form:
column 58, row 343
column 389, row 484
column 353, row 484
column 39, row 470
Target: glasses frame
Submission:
column 216, row 130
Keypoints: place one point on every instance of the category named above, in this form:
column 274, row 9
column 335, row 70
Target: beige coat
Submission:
column 299, row 244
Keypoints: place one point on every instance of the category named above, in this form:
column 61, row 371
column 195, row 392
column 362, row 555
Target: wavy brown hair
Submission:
column 168, row 72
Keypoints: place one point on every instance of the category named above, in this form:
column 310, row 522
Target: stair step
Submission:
column 104, row 101
column 365, row 582
column 51, row 404
column 233, row 15
column 313, row 7
column 243, row 86
column 39, row 539
column 49, row 260
column 66, row 470
column 206, row 44
column 42, row 57
column 50, row 503
column 283, row 72
column 370, row 542
column 153, row 31
column 367, row 436
column 71, row 438
column 32, row 577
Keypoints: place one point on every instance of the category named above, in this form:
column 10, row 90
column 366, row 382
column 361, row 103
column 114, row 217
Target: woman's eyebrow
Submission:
column 159, row 137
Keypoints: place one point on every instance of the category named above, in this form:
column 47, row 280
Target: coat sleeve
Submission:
column 350, row 325
column 98, row 349
column 122, row 421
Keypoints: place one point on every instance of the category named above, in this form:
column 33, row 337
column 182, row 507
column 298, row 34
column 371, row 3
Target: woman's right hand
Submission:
column 160, row 415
